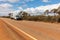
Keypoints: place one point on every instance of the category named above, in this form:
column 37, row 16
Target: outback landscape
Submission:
column 29, row 20
column 35, row 30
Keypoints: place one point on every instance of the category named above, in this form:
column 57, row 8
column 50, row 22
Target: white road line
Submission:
column 20, row 30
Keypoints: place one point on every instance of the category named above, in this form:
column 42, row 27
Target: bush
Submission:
column 44, row 18
column 5, row 16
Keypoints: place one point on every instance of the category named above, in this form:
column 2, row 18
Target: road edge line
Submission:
column 29, row 36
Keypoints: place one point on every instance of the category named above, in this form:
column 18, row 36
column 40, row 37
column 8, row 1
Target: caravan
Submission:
column 16, row 16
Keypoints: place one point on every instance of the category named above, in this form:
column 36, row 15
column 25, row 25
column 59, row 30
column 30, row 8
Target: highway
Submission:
column 28, row 30
column 7, row 34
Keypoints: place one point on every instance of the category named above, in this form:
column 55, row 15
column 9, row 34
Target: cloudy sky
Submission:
column 7, row 6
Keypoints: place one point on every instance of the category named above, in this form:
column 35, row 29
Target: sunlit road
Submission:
column 35, row 30
column 8, row 34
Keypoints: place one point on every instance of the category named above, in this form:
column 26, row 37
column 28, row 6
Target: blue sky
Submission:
column 35, row 3
column 15, row 5
column 30, row 3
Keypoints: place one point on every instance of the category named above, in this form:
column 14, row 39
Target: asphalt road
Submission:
column 37, row 30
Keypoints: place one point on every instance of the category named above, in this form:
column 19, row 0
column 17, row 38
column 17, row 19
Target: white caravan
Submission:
column 16, row 16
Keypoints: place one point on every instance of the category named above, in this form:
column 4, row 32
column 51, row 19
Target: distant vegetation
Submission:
column 55, row 18
column 5, row 16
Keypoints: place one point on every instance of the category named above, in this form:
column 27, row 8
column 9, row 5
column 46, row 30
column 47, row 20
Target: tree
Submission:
column 54, row 10
column 46, row 12
column 23, row 14
column 10, row 14
column 58, row 10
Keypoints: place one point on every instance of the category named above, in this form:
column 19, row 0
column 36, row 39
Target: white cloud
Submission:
column 12, row 1
column 5, row 9
column 24, row 1
column 30, row 10
column 42, row 8
column 1, row 0
column 28, row 0
column 48, row 7
column 33, row 11
column 45, row 0
column 17, row 11
column 6, row 5
column 20, row 8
